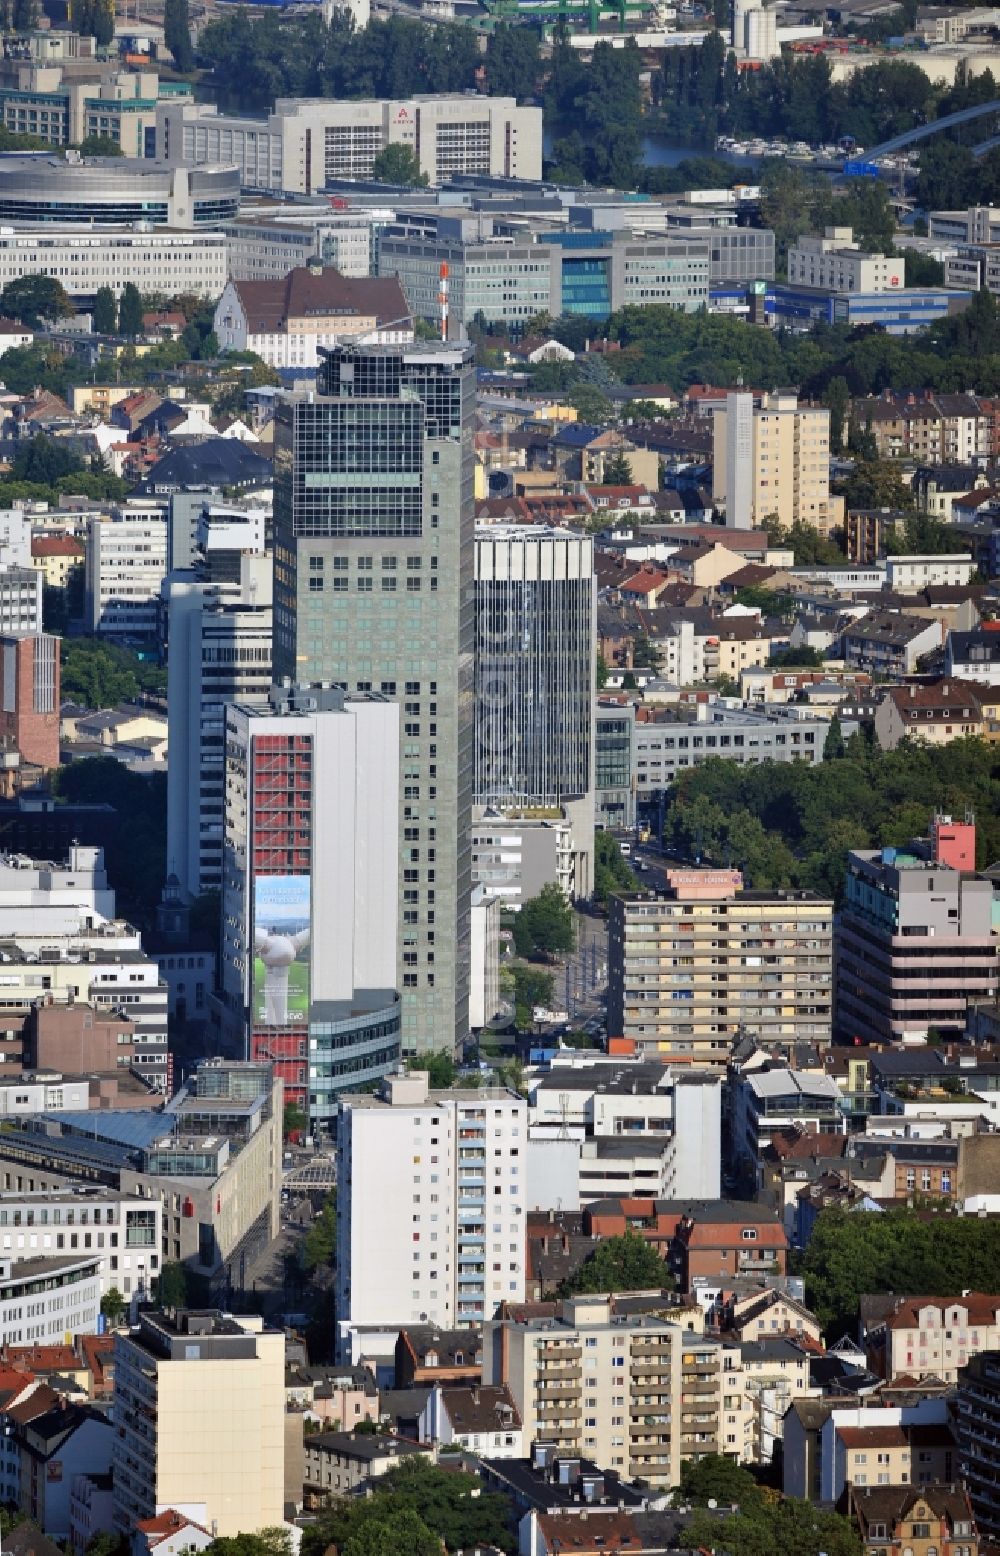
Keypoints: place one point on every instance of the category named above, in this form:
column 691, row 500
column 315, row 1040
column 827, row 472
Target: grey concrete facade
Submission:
column 374, row 586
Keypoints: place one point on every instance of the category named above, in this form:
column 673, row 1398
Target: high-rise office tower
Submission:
column 374, row 592
column 535, row 636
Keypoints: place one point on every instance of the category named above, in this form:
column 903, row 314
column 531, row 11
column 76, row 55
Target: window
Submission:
column 749, row 1234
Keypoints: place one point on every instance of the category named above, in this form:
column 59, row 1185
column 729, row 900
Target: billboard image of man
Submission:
column 281, row 936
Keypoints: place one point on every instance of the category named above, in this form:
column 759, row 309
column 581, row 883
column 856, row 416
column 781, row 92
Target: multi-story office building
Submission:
column 308, row 142
column 212, row 1156
column 220, row 652
column 510, row 276
column 614, row 764
column 535, row 633
column 666, row 746
column 63, row 103
column 773, row 460
column 199, row 1404
column 126, row 566
column 835, row 263
column 113, row 191
column 373, row 591
column 265, row 246
column 688, row 970
column 20, row 600
column 635, row 1393
column 915, row 940
column 42, row 1299
column 83, row 259
column 310, row 889
column 977, row 1409
column 122, row 1231
column 431, row 1195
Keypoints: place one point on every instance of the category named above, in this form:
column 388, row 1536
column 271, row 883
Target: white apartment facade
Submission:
column 121, row 1231
column 835, row 263
column 83, row 259
column 40, row 897
column 20, row 600
column 306, row 143
column 220, row 652
column 431, row 1197
column 126, row 566
column 908, row 574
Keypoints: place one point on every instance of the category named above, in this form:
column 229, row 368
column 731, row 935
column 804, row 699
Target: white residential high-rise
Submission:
column 310, row 890
column 773, row 461
column 126, row 566
column 220, row 652
column 430, row 1206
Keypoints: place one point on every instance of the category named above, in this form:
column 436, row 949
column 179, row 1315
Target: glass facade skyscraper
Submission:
column 374, row 593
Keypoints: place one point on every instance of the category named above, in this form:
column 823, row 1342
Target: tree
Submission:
column 266, row 1542
column 625, row 1263
column 611, row 872
column 97, row 675
column 105, row 312
column 177, row 34
column 100, row 146
column 320, row 1243
column 293, row 1121
column 833, row 745
column 532, row 987
column 113, row 1305
column 618, row 471
column 104, row 24
column 794, row 1527
column 804, row 657
column 837, row 399
column 107, row 1544
column 716, row 1479
column 440, row 1067
column 46, row 460
column 172, row 1286
column 34, row 299
column 545, row 923
column 398, row 164
column 591, row 405
column 601, row 672
column 130, row 311
column 451, row 1503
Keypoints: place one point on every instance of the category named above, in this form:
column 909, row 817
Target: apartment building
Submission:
column 932, row 712
column 935, row 429
column 834, row 262
column 773, row 459
column 914, row 938
column 634, row 1393
column 126, row 566
column 689, row 968
column 199, row 1404
column 935, row 1336
column 889, row 643
column 925, row 1521
column 977, row 1412
column 307, row 143
column 122, row 1232
column 20, row 600
column 431, row 1195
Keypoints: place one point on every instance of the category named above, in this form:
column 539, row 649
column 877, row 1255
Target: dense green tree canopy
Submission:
column 898, row 1250
column 625, row 1263
column 398, row 164
column 545, row 924
column 786, row 824
column 35, row 300
column 611, row 871
column 412, row 1500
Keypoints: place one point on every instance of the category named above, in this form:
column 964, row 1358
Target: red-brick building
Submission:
column 29, row 697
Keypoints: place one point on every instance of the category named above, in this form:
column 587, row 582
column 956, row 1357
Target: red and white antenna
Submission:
column 443, row 299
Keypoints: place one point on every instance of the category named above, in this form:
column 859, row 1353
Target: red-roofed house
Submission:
column 645, row 586
column 168, row 1534
column 55, row 557
column 286, row 321
column 934, row 1335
